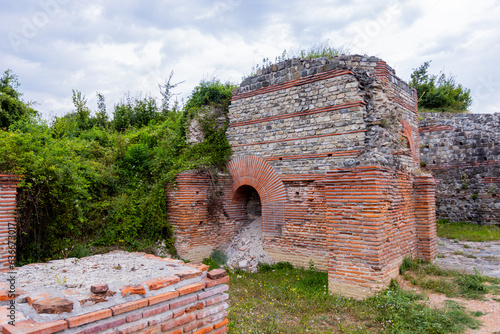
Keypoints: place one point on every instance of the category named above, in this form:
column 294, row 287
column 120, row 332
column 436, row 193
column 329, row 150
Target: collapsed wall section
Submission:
column 462, row 151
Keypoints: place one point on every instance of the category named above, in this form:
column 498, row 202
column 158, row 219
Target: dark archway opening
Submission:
column 250, row 199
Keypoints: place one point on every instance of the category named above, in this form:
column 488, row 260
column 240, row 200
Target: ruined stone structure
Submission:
column 462, row 151
column 156, row 295
column 332, row 149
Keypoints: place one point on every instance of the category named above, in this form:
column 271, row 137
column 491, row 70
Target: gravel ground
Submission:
column 467, row 256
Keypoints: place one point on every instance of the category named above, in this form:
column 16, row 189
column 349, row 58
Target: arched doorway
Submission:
column 251, row 172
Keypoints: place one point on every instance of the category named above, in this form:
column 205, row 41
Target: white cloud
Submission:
column 117, row 47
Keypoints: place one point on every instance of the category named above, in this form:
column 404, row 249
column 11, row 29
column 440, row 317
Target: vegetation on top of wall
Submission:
column 98, row 184
column 322, row 49
column 439, row 92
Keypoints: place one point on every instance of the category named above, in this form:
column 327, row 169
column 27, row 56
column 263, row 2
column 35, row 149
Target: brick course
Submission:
column 202, row 309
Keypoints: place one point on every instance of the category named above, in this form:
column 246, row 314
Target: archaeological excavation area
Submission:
column 330, row 167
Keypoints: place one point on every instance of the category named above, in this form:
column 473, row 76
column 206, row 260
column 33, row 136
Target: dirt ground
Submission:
column 468, row 256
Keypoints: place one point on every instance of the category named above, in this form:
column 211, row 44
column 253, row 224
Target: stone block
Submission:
column 55, row 305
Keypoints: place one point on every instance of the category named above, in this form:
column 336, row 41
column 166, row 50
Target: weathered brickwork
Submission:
column 462, row 151
column 332, row 148
column 177, row 303
column 200, row 227
column 8, row 192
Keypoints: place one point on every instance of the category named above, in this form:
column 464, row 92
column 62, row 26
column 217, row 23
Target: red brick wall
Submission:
column 8, row 192
column 425, row 215
column 197, row 230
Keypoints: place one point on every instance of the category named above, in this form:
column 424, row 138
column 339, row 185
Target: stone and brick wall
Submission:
column 8, row 192
column 462, row 151
column 189, row 300
column 332, row 148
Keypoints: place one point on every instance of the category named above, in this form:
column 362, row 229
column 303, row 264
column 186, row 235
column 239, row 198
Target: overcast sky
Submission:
column 119, row 46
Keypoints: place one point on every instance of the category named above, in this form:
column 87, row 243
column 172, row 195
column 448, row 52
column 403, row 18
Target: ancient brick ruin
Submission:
column 146, row 294
column 462, row 151
column 332, row 149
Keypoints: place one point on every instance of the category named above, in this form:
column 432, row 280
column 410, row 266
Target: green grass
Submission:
column 467, row 231
column 449, row 282
column 216, row 260
column 283, row 299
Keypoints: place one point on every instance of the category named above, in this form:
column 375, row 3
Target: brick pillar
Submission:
column 198, row 229
column 8, row 225
column 425, row 216
column 358, row 201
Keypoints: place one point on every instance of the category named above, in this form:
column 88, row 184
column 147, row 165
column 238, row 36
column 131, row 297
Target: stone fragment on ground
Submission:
column 245, row 250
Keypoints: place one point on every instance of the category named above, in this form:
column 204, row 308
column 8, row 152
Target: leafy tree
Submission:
column 210, row 92
column 135, row 113
column 12, row 108
column 439, row 92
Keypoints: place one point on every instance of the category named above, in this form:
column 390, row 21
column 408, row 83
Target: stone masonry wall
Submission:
column 462, row 151
column 8, row 236
column 308, row 116
column 311, row 137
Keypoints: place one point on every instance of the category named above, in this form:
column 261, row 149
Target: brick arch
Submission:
column 259, row 174
column 409, row 134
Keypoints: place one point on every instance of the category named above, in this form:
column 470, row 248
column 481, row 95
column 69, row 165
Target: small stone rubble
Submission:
column 468, row 255
column 245, row 250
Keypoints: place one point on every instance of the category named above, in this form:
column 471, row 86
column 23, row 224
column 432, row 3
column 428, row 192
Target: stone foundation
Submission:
column 178, row 298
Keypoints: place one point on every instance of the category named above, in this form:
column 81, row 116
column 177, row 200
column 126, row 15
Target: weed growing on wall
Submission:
column 322, row 49
column 91, row 184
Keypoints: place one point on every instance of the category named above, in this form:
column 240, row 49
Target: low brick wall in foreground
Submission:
column 188, row 300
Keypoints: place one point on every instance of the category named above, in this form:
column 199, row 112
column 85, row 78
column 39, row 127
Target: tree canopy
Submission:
column 91, row 183
column 439, row 92
column 12, row 108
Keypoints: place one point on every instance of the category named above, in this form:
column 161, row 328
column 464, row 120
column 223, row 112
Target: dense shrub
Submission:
column 93, row 183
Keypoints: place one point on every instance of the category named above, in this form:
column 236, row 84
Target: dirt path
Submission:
column 466, row 256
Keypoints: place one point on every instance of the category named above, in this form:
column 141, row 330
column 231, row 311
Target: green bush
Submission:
column 99, row 184
column 12, row 108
